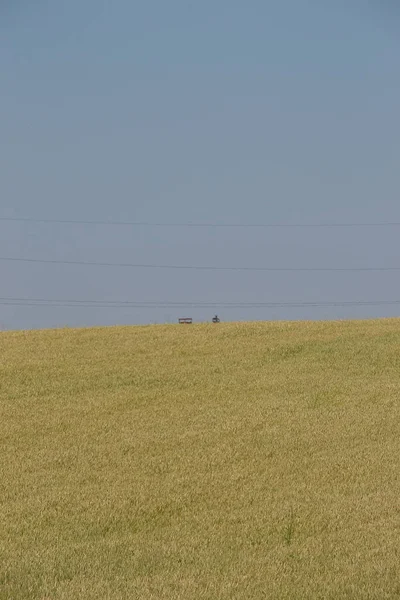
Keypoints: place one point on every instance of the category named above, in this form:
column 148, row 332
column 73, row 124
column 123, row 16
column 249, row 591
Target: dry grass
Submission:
column 240, row 461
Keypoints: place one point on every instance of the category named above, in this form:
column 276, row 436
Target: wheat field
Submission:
column 234, row 461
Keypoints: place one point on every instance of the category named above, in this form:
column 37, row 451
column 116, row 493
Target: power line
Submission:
column 7, row 301
column 195, row 267
column 199, row 225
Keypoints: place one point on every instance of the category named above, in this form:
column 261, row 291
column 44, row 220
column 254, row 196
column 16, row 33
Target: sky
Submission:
column 257, row 112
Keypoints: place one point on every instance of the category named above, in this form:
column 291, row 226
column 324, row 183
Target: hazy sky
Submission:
column 222, row 111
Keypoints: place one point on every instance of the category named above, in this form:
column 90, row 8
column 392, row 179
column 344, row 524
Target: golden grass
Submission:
column 239, row 461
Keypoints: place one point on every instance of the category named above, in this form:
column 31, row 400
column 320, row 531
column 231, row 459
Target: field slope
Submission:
column 234, row 461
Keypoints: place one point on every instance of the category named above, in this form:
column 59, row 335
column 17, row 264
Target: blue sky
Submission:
column 221, row 111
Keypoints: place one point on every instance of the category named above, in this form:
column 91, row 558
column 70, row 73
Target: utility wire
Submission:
column 7, row 301
column 198, row 225
column 195, row 267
